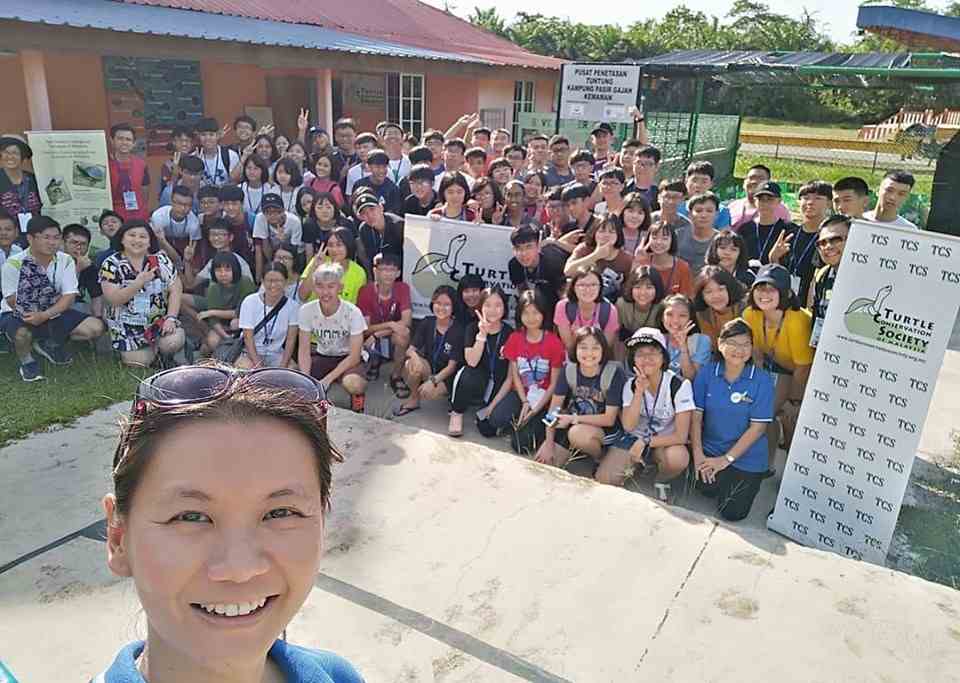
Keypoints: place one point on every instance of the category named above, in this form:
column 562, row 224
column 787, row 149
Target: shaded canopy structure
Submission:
column 911, row 26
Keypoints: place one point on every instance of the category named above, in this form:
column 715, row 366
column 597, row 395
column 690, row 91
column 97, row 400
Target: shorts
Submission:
column 58, row 328
column 320, row 366
column 611, row 435
column 626, row 442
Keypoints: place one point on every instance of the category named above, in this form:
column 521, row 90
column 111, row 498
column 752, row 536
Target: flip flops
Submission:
column 401, row 410
column 399, row 387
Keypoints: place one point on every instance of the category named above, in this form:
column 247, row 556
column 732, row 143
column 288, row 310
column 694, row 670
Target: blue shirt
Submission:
column 698, row 346
column 721, row 221
column 299, row 665
column 729, row 409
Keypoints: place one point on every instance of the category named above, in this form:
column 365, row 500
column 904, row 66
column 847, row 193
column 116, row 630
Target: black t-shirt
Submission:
column 438, row 349
column 547, row 277
column 802, row 260
column 492, row 360
column 388, row 242
column 758, row 240
column 651, row 194
column 412, row 205
column 316, row 235
column 587, row 397
column 88, row 282
column 387, row 192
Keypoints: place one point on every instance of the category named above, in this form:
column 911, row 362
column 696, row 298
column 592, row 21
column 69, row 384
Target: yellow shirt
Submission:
column 791, row 346
column 353, row 280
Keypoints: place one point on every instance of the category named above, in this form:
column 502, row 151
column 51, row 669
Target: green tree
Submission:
column 490, row 20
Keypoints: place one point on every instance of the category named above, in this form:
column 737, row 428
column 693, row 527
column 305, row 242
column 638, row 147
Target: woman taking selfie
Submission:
column 223, row 544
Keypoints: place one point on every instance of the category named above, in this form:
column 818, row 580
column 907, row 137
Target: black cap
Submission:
column 364, row 201
column 773, row 274
column 378, row 156
column 272, row 200
column 602, row 128
column 231, row 193
column 769, row 188
column 8, row 139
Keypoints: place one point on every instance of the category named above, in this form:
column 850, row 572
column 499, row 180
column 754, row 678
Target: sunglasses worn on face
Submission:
column 830, row 242
column 198, row 384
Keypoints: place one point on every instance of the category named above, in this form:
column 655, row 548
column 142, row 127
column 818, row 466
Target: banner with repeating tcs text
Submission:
column 599, row 92
column 73, row 175
column 440, row 252
column 883, row 341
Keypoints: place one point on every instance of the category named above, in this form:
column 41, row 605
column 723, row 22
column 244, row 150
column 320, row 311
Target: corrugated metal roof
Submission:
column 911, row 25
column 408, row 22
column 164, row 21
column 740, row 60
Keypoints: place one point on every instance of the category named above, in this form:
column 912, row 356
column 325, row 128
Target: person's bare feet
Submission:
column 455, row 428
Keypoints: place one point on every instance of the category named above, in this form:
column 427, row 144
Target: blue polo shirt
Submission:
column 725, row 419
column 299, row 665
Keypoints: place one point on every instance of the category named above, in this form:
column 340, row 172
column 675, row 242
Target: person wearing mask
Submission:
column 735, row 406
column 760, row 234
column 717, row 299
column 19, row 193
column 558, row 171
column 699, row 180
column 483, row 377
column 142, row 295
column 830, row 243
column 269, row 336
column 744, row 210
column 218, row 161
column 781, row 337
column 431, row 360
column 39, row 286
column 656, row 414
column 796, row 249
column 851, row 196
column 894, row 192
column 129, row 175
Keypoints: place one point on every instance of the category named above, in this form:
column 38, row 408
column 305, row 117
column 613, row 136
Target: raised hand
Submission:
column 781, row 247
column 303, row 120
column 225, row 130
column 189, row 251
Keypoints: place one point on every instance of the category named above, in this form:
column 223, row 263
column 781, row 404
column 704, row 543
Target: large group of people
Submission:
column 655, row 327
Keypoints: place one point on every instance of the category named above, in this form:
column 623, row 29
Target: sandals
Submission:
column 401, row 410
column 399, row 387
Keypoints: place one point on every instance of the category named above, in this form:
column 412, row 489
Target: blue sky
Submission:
column 839, row 15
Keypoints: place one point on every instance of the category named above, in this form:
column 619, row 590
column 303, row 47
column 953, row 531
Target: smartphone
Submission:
column 550, row 418
column 153, row 262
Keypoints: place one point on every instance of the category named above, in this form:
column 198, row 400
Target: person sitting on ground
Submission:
column 657, row 407
column 331, row 337
column 658, row 249
column 586, row 401
column 76, row 242
column 422, row 199
column 693, row 243
column 269, row 344
column 602, row 249
column 483, row 378
column 385, row 304
column 467, row 306
column 175, row 225
column 584, row 306
column 795, row 249
column 431, row 361
column 293, row 264
column 487, row 201
column 639, row 304
column 142, row 295
column 760, row 234
column 454, row 191
column 688, row 349
column 728, row 251
column 851, row 196
column 110, row 224
column 237, row 467
column 635, row 218
column 611, row 182
column 378, row 184
column 781, row 339
column 717, row 299
column 9, row 234
column 536, row 355
column 833, row 236
column 672, row 195
column 379, row 232
column 531, row 268
column 699, row 180
column 226, row 292
column 341, row 248
column 273, row 227
column 219, row 240
column 324, row 218
column 744, row 210
column 735, row 405
column 894, row 192
column 39, row 286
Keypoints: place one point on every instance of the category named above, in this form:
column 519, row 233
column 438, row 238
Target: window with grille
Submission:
column 405, row 101
column 523, row 101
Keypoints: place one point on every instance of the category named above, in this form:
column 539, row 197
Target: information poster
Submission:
column 577, row 132
column 599, row 92
column 72, row 174
column 441, row 252
column 883, row 342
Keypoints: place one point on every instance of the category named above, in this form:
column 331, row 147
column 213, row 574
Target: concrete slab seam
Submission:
column 89, row 531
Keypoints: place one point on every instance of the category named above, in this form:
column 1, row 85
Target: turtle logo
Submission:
column 872, row 306
column 437, row 268
column 874, row 319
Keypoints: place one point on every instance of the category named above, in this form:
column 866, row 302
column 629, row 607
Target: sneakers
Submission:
column 358, row 402
column 30, row 372
column 53, row 352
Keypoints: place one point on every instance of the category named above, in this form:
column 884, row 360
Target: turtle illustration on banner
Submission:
column 437, row 268
column 878, row 320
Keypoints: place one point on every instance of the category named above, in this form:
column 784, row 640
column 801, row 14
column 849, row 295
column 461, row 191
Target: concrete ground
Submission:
column 452, row 561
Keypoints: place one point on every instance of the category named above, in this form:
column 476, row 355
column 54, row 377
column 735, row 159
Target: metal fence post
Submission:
column 876, row 156
column 695, row 120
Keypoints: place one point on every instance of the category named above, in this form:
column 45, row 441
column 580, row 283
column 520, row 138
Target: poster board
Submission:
column 883, row 341
column 440, row 252
column 577, row 132
column 73, row 175
column 599, row 92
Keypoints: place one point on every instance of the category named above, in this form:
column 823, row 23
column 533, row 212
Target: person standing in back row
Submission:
column 894, row 192
column 129, row 175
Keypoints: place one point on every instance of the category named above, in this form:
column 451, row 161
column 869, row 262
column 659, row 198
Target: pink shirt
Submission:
column 742, row 213
column 560, row 318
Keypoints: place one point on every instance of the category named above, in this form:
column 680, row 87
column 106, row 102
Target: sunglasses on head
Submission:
column 198, row 384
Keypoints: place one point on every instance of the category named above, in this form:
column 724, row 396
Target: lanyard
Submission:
column 287, row 204
column 269, row 327
column 776, row 337
column 247, row 192
column 797, row 261
column 391, row 305
column 123, row 174
column 648, row 412
column 211, row 177
column 492, row 353
column 395, row 172
column 763, row 249
column 438, row 342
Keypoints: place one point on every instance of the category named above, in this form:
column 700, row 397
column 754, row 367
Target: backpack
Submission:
column 225, row 160
column 606, row 375
column 571, row 312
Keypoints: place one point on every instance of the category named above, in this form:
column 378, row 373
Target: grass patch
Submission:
column 91, row 382
column 796, row 171
column 934, row 540
column 840, row 131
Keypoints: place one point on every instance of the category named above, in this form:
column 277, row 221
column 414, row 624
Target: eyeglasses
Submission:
column 192, row 384
column 587, row 285
column 835, row 241
column 740, row 346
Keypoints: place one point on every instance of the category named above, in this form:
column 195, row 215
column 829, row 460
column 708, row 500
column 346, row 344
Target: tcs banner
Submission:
column 887, row 327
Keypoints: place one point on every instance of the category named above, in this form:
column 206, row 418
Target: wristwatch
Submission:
column 729, row 458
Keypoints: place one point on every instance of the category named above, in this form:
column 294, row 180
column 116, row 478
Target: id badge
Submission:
column 23, row 219
column 136, row 312
column 795, row 283
column 816, row 331
column 130, row 201
column 488, row 392
column 535, row 394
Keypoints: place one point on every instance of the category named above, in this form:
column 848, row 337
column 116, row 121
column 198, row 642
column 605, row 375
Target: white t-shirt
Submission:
column 292, row 230
column 62, row 273
column 439, row 179
column 163, row 222
column 214, row 171
column 331, row 334
column 204, row 274
column 270, row 339
column 398, row 169
column 14, row 249
column 356, row 172
column 252, row 196
column 899, row 222
column 662, row 411
column 289, row 197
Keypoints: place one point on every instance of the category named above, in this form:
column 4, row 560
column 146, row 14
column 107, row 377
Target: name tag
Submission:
column 130, row 201
column 795, row 283
column 816, row 331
